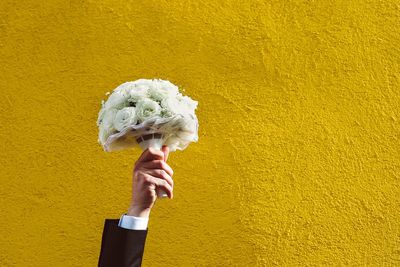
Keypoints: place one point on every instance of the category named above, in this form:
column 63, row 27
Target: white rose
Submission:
column 116, row 100
column 147, row 108
column 187, row 104
column 144, row 82
column 125, row 88
column 108, row 118
column 124, row 118
column 171, row 106
column 161, row 89
column 137, row 93
column 167, row 85
column 106, row 125
column 104, row 133
column 188, row 124
column 101, row 116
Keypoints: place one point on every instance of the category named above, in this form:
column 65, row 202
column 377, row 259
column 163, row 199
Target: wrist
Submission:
column 136, row 211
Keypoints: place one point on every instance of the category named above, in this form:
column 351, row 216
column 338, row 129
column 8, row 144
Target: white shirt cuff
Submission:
column 133, row 223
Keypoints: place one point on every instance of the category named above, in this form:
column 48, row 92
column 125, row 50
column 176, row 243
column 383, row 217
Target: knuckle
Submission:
column 154, row 152
column 138, row 170
column 168, row 185
column 163, row 174
column 167, row 168
column 146, row 179
column 164, row 165
column 137, row 167
column 159, row 163
column 167, row 177
column 138, row 175
column 164, row 184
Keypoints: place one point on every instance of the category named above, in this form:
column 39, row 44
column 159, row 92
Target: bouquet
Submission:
column 150, row 113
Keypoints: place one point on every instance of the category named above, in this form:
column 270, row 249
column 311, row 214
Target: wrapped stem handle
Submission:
column 155, row 141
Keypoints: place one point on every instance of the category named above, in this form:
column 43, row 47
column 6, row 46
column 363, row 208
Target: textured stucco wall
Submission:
column 298, row 161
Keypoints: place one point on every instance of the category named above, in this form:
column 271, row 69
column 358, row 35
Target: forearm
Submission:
column 121, row 247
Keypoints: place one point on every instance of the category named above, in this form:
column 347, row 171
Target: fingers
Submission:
column 157, row 164
column 151, row 170
column 165, row 150
column 151, row 154
column 161, row 174
column 160, row 184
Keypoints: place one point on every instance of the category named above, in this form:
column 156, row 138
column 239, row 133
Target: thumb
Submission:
column 165, row 150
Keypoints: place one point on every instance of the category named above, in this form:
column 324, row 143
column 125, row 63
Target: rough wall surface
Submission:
column 298, row 161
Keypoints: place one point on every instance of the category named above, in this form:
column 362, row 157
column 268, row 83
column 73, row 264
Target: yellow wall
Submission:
column 298, row 159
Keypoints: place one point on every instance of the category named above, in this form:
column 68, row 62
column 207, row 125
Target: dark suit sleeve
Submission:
column 121, row 247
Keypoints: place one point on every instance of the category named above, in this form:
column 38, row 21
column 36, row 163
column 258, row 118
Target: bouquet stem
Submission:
column 155, row 141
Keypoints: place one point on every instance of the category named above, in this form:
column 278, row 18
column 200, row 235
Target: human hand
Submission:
column 150, row 174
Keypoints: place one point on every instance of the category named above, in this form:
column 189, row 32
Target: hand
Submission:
column 151, row 173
